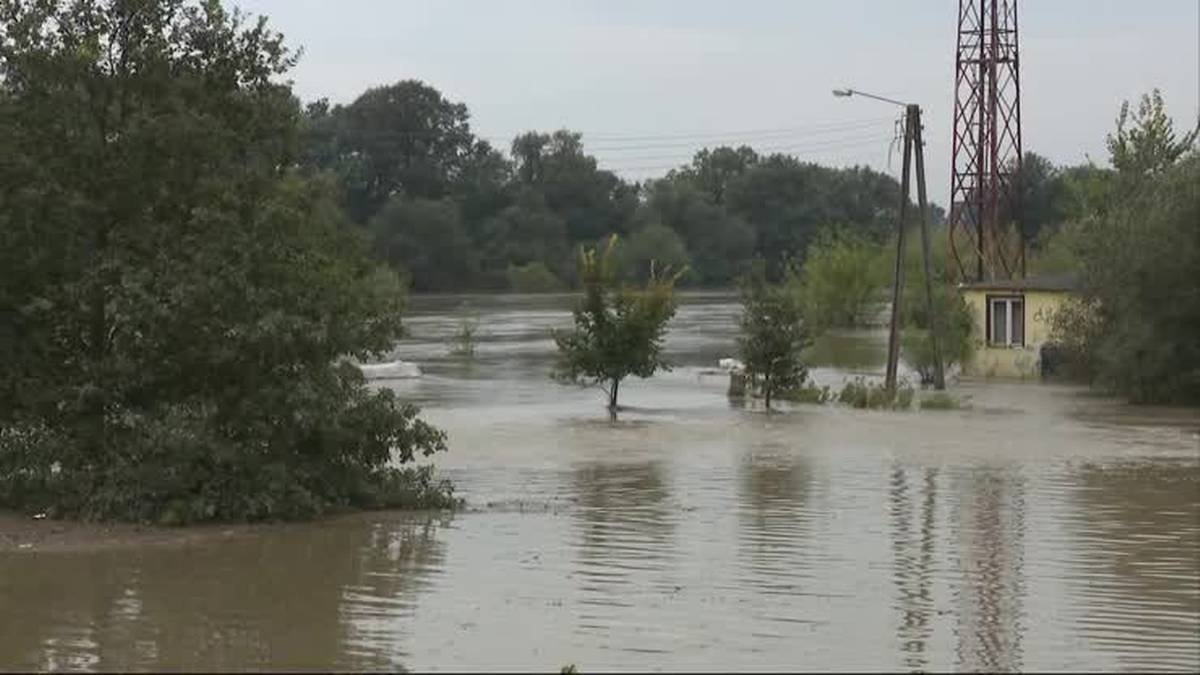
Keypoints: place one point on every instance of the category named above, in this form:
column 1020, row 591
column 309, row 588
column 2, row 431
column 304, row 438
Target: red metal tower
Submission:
column 986, row 238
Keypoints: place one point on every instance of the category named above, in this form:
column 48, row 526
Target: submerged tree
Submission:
column 176, row 300
column 844, row 275
column 773, row 337
column 619, row 329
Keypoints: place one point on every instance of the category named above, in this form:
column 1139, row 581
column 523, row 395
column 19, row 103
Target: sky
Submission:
column 648, row 82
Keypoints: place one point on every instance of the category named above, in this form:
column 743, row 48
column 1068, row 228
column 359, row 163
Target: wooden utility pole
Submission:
column 914, row 115
column 912, row 139
column 898, row 281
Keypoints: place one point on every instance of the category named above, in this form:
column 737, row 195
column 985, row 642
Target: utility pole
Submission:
column 914, row 123
column 912, row 141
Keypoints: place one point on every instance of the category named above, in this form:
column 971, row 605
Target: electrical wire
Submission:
column 684, row 161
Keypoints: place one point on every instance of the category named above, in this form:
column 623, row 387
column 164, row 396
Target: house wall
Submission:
column 1018, row 361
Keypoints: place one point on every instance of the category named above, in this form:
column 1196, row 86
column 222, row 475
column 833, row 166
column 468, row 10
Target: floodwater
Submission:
column 1044, row 528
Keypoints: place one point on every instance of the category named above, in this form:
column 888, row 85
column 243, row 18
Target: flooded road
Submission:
column 1044, row 528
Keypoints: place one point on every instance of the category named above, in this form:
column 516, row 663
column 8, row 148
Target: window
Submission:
column 1006, row 321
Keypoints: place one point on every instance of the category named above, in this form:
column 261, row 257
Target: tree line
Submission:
column 452, row 212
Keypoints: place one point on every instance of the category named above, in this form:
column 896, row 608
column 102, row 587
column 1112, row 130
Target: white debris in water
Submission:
column 731, row 365
column 390, row 370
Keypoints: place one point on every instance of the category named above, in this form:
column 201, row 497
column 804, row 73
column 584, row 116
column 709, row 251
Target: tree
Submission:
column 954, row 326
column 1136, row 327
column 651, row 245
column 842, row 276
column 426, row 239
column 177, row 301
column 1141, row 292
column 524, row 233
column 787, row 202
column 773, row 337
column 1145, row 142
column 711, row 171
column 1040, row 185
column 619, row 329
column 403, row 139
column 720, row 244
column 594, row 203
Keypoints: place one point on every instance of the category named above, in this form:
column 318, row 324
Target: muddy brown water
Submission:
column 1044, row 528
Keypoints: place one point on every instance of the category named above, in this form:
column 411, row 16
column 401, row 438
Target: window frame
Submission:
column 1009, row 299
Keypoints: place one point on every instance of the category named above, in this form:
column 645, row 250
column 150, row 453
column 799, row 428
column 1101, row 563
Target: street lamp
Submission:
column 912, row 139
column 848, row 92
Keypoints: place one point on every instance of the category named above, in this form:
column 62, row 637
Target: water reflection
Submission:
column 287, row 600
column 625, row 535
column 913, row 500
column 1138, row 547
column 774, row 522
column 990, row 553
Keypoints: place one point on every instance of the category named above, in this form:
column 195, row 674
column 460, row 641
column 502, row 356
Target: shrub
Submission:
column 773, row 336
column 941, row 401
column 465, row 338
column 842, row 278
column 533, row 277
column 808, row 392
column 858, row 393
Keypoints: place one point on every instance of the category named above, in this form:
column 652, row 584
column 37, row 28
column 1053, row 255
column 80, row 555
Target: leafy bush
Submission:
column 859, row 393
column 773, row 336
column 842, row 278
column 465, row 338
column 954, row 330
column 808, row 392
column 654, row 244
column 941, row 401
column 533, row 277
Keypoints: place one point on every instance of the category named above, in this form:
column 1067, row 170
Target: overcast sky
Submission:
column 648, row 83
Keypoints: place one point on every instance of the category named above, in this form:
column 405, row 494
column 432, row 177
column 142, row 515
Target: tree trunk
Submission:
column 767, row 390
column 612, row 395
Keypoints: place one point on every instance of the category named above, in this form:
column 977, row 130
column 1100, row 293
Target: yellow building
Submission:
column 1012, row 323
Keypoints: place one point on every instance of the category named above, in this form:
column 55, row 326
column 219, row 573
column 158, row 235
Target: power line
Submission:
column 828, row 126
column 684, row 160
column 803, row 145
column 734, row 139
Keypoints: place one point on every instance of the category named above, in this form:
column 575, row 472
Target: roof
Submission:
column 1049, row 282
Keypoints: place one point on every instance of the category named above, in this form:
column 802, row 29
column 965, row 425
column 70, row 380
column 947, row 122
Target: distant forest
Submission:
column 452, row 212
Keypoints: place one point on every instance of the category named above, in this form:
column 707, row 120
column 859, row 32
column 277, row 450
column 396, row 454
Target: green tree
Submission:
column 773, row 337
column 712, row 170
column 1137, row 328
column 1140, row 333
column 954, row 327
column 842, row 278
column 1040, row 185
column 787, row 202
column 720, row 244
column 1145, row 141
column 594, row 203
column 651, row 245
column 426, row 239
column 402, row 139
column 177, row 302
column 524, row 233
column 619, row 329
column 533, row 277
